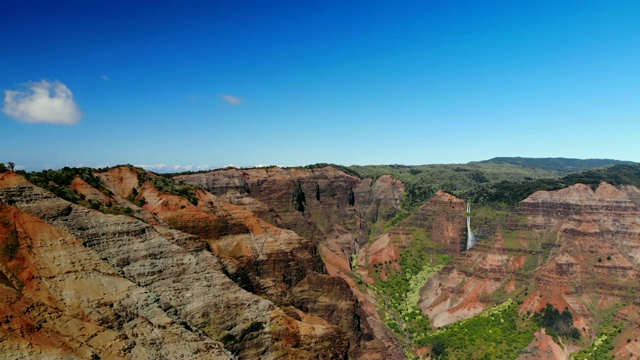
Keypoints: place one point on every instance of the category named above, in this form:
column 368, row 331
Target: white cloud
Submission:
column 104, row 77
column 191, row 167
column 156, row 167
column 178, row 167
column 42, row 102
column 233, row 100
column 174, row 168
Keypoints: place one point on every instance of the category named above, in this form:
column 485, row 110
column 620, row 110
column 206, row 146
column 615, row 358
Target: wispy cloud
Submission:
column 174, row 168
column 154, row 167
column 104, row 77
column 42, row 102
column 233, row 100
column 191, row 167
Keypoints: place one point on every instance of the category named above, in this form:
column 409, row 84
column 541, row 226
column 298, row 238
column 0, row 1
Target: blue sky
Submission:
column 213, row 83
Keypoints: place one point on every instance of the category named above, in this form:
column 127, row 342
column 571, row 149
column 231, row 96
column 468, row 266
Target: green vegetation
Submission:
column 399, row 293
column 558, row 324
column 135, row 198
column 166, row 184
column 602, row 346
column 558, row 164
column 9, row 166
column 489, row 218
column 499, row 333
column 511, row 192
column 395, row 220
column 59, row 183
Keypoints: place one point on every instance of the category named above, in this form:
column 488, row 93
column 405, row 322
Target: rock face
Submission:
column 121, row 287
column 62, row 301
column 308, row 201
column 443, row 218
column 596, row 248
column 607, row 213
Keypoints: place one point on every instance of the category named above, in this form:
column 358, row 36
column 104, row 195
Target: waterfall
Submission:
column 471, row 239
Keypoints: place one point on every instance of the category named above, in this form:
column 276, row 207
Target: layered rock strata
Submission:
column 308, row 201
column 185, row 286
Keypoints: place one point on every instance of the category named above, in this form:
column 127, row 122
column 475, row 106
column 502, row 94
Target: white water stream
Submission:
column 471, row 239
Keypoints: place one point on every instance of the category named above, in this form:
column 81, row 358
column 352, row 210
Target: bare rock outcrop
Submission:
column 543, row 347
column 443, row 218
column 308, row 201
column 607, row 213
column 65, row 302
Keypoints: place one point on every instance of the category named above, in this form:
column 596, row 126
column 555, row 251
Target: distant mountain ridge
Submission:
column 558, row 164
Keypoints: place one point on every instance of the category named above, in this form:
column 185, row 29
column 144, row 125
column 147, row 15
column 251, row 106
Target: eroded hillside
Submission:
column 241, row 287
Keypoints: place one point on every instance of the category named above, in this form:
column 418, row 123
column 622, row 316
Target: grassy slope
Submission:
column 558, row 164
column 460, row 176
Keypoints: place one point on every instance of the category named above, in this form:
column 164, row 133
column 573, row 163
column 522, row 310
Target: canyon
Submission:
column 297, row 263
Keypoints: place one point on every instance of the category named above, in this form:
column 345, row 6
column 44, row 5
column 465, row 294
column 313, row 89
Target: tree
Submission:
column 3, row 168
column 439, row 350
column 557, row 323
column 12, row 166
